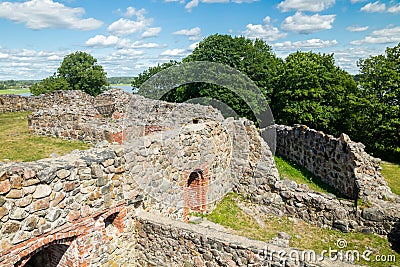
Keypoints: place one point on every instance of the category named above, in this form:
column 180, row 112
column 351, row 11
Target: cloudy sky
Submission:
column 127, row 36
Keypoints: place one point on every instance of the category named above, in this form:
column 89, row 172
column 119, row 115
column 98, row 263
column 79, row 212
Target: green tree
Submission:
column 82, row 72
column 253, row 58
column 145, row 75
column 311, row 90
column 50, row 84
column 379, row 81
column 78, row 71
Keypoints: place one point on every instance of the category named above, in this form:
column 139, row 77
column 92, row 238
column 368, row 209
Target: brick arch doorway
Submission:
column 51, row 256
column 195, row 192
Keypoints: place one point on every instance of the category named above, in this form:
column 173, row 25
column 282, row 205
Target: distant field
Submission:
column 17, row 144
column 14, row 91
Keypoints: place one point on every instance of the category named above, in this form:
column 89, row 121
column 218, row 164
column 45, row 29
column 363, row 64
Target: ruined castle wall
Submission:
column 339, row 162
column 164, row 242
column 285, row 197
column 73, row 194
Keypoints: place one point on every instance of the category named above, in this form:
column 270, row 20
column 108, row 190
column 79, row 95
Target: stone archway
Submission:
column 195, row 192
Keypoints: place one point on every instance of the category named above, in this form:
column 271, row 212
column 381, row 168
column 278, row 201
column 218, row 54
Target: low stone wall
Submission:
column 12, row 103
column 339, row 162
column 287, row 197
column 164, row 242
column 113, row 116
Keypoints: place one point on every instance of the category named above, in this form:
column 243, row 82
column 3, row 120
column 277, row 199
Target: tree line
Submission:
column 305, row 88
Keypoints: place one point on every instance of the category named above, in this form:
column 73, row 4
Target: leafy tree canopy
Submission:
column 377, row 116
column 253, row 58
column 78, row 71
column 311, row 90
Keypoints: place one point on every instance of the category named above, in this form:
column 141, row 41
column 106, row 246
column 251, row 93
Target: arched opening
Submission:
column 113, row 225
column 50, row 256
column 195, row 192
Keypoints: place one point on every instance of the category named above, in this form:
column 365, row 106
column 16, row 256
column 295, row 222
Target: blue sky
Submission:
column 128, row 36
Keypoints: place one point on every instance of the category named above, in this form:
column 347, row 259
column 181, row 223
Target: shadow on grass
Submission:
column 293, row 171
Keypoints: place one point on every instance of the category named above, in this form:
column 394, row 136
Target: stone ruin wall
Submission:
column 63, row 201
column 74, row 115
column 339, row 162
column 252, row 170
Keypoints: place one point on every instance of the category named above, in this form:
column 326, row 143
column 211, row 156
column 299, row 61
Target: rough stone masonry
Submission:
column 86, row 208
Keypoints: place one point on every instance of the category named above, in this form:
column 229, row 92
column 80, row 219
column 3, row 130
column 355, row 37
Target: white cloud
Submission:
column 3, row 55
column 348, row 57
column 266, row 32
column 382, row 36
column 357, row 28
column 28, row 64
column 304, row 24
column 374, row 7
column 306, row 5
column 139, row 44
column 102, row 41
column 193, row 34
column 394, row 9
column 357, row 1
column 40, row 14
column 127, row 52
column 194, row 3
column 123, row 27
column 193, row 46
column 131, row 11
column 151, row 32
column 308, row 44
column 174, row 52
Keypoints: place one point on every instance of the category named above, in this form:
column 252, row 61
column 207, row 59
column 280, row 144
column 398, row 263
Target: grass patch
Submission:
column 293, row 171
column 17, row 144
column 391, row 173
column 303, row 235
column 14, row 91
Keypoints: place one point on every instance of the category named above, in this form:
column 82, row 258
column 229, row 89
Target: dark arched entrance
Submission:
column 49, row 256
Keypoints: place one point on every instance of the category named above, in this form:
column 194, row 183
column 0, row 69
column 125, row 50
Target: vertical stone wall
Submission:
column 339, row 162
column 73, row 194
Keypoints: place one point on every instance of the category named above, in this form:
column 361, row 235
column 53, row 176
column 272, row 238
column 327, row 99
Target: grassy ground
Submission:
column 17, row 144
column 391, row 173
column 303, row 236
column 292, row 171
column 14, row 91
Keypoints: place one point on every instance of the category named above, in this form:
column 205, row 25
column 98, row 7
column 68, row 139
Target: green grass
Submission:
column 391, row 173
column 17, row 144
column 14, row 91
column 303, row 235
column 292, row 171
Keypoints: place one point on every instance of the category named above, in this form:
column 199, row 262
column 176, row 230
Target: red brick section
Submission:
column 118, row 137
column 195, row 190
column 149, row 129
column 75, row 235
